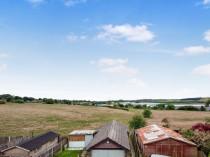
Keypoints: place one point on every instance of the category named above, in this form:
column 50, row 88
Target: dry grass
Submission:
column 23, row 119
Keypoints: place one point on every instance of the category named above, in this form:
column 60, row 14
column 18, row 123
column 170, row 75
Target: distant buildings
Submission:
column 34, row 147
column 155, row 139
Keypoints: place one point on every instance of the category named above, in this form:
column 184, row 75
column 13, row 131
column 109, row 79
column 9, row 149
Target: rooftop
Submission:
column 82, row 132
column 153, row 133
column 114, row 131
column 38, row 141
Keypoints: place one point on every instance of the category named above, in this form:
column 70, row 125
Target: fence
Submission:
column 13, row 143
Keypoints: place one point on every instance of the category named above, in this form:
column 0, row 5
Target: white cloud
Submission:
column 3, row 55
column 72, row 3
column 207, row 35
column 206, row 2
column 3, row 67
column 134, row 82
column 74, row 38
column 202, row 70
column 196, row 50
column 115, row 66
column 112, row 62
column 139, row 33
column 36, row 1
column 120, row 69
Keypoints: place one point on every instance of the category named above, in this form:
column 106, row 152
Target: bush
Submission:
column 202, row 108
column 159, row 107
column 48, row 101
column 138, row 107
column 166, row 123
column 147, row 113
column 201, row 127
column 2, row 102
column 170, row 107
column 188, row 108
column 20, row 101
column 137, row 122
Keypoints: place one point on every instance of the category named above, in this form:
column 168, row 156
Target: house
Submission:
column 154, row 139
column 35, row 146
column 111, row 140
column 79, row 139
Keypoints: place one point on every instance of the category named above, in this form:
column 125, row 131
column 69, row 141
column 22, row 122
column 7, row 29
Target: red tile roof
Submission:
column 154, row 133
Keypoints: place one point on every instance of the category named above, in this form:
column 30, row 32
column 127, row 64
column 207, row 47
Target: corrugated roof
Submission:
column 154, row 133
column 82, row 132
column 114, row 131
column 38, row 141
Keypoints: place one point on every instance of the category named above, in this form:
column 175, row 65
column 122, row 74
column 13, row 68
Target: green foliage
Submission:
column 138, row 107
column 170, row 107
column 188, row 133
column 207, row 119
column 202, row 108
column 137, row 122
column 159, row 107
column 188, row 108
column 147, row 113
column 207, row 103
column 166, row 123
column 48, row 101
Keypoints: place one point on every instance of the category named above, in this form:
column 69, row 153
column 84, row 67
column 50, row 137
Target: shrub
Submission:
column 159, row 107
column 147, row 113
column 201, row 127
column 188, row 108
column 20, row 101
column 2, row 102
column 137, row 121
column 170, row 107
column 138, row 107
column 166, row 123
column 202, row 108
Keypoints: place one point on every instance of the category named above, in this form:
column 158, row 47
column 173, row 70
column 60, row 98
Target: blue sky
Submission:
column 105, row 49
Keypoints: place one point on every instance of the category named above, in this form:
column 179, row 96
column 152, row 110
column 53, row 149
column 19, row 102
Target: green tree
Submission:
column 137, row 121
column 170, row 107
column 203, row 108
column 207, row 103
column 147, row 113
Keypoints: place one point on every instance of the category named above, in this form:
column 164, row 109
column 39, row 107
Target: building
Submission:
column 155, row 139
column 35, row 146
column 111, row 140
column 79, row 139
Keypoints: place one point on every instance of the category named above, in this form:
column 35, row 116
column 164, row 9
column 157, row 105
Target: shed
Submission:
column 111, row 140
column 154, row 139
column 79, row 139
column 35, row 146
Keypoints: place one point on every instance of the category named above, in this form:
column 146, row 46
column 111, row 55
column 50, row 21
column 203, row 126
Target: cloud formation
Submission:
column 207, row 35
column 72, row 3
column 139, row 33
column 134, row 82
column 3, row 55
column 36, row 1
column 196, row 50
column 3, row 67
column 115, row 66
column 206, row 2
column 73, row 38
column 202, row 70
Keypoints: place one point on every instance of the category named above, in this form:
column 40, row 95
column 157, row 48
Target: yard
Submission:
column 25, row 119
column 69, row 153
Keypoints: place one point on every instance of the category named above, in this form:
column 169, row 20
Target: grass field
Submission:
column 68, row 153
column 23, row 119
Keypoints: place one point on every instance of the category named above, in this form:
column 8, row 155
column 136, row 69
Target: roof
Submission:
column 83, row 132
column 154, row 133
column 38, row 141
column 157, row 155
column 114, row 131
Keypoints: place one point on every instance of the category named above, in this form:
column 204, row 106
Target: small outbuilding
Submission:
column 154, row 139
column 111, row 140
column 79, row 139
column 35, row 146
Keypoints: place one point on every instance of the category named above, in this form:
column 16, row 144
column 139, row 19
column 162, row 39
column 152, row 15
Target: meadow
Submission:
column 25, row 119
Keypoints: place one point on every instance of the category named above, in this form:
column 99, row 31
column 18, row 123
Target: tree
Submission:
column 166, row 123
column 203, row 108
column 207, row 103
column 147, row 113
column 201, row 127
column 137, row 121
column 170, row 107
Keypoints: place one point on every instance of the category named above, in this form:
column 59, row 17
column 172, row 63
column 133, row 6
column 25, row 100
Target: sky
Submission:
column 105, row 49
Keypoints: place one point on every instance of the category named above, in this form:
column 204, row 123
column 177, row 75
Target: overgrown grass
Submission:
column 208, row 119
column 69, row 153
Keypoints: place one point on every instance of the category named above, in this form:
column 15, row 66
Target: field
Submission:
column 23, row 119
